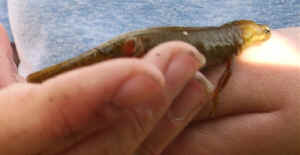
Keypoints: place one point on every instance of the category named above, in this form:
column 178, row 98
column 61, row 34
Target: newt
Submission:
column 219, row 45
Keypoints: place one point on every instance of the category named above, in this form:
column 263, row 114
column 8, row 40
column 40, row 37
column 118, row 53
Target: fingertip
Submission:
column 178, row 61
column 204, row 81
column 146, row 81
column 186, row 47
column 169, row 49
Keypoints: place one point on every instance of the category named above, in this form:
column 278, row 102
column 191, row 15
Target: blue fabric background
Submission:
column 49, row 31
column 4, row 15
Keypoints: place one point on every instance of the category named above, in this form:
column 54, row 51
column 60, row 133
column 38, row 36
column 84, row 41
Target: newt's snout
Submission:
column 253, row 33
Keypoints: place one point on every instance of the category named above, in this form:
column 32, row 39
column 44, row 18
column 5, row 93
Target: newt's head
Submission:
column 252, row 33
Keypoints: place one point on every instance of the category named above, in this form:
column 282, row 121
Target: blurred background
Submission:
column 49, row 31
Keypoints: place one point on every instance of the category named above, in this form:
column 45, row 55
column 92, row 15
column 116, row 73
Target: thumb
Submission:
column 101, row 107
column 8, row 67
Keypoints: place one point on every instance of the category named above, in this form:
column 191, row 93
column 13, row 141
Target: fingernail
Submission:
column 208, row 85
column 193, row 55
column 189, row 57
column 181, row 68
column 199, row 58
column 185, row 111
column 187, row 105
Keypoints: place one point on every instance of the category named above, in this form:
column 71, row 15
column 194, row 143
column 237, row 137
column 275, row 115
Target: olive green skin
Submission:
column 217, row 44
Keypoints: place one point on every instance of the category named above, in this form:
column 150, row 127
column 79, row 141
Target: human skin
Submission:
column 153, row 106
column 108, row 108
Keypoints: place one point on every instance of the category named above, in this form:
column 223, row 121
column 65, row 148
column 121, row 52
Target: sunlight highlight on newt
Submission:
column 273, row 51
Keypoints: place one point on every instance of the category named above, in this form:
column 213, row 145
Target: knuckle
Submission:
column 139, row 126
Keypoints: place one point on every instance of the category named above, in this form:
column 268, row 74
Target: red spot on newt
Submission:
column 128, row 48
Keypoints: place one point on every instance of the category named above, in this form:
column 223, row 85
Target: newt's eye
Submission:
column 266, row 29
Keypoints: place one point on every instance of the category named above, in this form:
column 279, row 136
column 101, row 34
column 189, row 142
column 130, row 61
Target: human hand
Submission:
column 7, row 63
column 116, row 107
column 259, row 110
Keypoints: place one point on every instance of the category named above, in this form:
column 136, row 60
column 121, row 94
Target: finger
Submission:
column 179, row 73
column 66, row 112
column 170, row 59
column 8, row 67
column 194, row 96
column 177, row 77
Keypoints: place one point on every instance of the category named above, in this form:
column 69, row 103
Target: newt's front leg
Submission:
column 223, row 80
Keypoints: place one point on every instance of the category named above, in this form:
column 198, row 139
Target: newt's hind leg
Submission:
column 223, row 80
